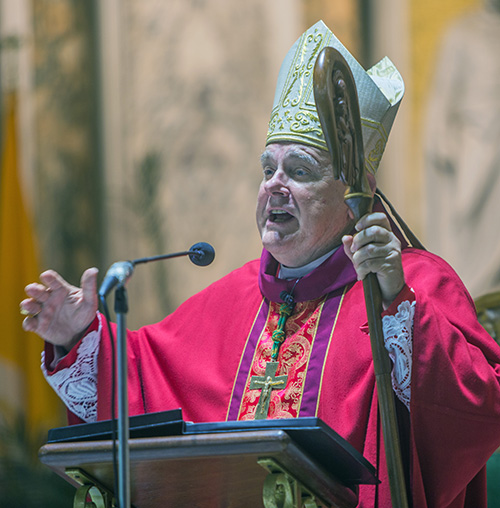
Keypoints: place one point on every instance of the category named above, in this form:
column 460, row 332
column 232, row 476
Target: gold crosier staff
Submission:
column 338, row 110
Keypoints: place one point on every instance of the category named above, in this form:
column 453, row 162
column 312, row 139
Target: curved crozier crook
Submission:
column 337, row 104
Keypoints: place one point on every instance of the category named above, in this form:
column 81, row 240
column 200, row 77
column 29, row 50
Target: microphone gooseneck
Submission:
column 201, row 254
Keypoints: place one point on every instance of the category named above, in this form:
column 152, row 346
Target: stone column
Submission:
column 67, row 200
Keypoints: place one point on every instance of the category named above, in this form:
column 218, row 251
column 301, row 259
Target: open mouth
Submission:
column 279, row 216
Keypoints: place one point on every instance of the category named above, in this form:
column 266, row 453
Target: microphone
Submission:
column 201, row 254
column 118, row 273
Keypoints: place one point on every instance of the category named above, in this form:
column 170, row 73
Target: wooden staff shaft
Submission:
column 360, row 204
column 338, row 109
column 382, row 367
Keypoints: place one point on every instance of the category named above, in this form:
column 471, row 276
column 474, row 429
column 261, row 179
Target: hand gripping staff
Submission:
column 338, row 110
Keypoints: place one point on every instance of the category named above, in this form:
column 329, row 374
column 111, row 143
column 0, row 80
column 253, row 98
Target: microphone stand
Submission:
column 121, row 309
column 201, row 254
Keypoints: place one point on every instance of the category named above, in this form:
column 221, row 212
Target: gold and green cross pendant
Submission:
column 267, row 383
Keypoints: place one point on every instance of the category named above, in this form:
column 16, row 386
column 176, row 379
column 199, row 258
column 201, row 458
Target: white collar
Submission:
column 296, row 273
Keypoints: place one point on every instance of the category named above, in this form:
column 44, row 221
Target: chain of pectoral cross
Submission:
column 269, row 381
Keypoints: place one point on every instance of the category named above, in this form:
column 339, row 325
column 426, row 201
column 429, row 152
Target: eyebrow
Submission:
column 267, row 157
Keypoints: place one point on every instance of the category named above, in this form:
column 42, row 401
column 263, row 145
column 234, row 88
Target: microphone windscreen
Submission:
column 202, row 254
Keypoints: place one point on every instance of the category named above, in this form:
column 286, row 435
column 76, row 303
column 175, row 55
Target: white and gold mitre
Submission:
column 294, row 116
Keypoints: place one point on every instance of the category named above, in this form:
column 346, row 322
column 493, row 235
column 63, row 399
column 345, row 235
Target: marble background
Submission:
column 196, row 83
column 65, row 168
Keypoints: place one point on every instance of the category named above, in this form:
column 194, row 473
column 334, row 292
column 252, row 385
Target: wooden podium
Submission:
column 255, row 468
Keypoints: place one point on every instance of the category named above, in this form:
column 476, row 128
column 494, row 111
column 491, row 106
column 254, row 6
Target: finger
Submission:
column 373, row 219
column 373, row 265
column 88, row 283
column 373, row 235
column 378, row 253
column 30, row 307
column 347, row 242
column 37, row 291
column 30, row 324
column 54, row 281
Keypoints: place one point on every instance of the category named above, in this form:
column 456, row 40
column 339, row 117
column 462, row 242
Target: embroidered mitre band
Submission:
column 294, row 116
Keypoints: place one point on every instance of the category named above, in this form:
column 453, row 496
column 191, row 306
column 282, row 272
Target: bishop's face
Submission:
column 301, row 213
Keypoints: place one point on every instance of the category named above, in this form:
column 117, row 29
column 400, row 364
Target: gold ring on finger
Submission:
column 26, row 313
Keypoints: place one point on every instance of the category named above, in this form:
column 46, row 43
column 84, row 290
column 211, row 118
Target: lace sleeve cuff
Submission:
column 397, row 323
column 76, row 385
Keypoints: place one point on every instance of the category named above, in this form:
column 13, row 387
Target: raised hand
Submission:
column 58, row 311
column 375, row 248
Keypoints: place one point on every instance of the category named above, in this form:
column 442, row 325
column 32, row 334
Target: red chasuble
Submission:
column 202, row 357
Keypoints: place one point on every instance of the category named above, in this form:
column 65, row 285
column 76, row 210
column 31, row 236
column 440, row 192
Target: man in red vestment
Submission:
column 286, row 336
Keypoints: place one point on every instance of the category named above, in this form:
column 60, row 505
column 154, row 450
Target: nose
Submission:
column 277, row 184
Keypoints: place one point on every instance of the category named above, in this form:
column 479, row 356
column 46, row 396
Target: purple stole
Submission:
column 326, row 284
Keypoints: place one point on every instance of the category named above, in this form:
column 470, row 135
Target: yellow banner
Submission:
column 22, row 386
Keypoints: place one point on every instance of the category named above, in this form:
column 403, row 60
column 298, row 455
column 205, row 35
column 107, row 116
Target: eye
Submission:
column 300, row 172
column 268, row 172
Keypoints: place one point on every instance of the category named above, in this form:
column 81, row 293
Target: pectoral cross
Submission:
column 267, row 383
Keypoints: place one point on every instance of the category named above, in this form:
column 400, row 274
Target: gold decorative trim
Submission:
column 306, row 372
column 328, row 347
column 241, row 359
column 283, row 490
column 90, row 488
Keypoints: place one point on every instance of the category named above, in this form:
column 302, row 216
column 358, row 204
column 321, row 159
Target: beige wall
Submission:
column 341, row 16
column 428, row 21
column 193, row 84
